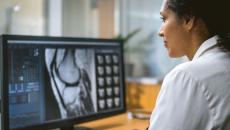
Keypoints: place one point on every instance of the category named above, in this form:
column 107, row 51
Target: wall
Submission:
column 89, row 18
column 17, row 17
column 147, row 53
column 76, row 17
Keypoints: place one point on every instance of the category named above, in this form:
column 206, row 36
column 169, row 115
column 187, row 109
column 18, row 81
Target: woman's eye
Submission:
column 163, row 19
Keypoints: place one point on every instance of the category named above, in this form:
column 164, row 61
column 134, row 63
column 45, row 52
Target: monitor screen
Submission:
column 50, row 82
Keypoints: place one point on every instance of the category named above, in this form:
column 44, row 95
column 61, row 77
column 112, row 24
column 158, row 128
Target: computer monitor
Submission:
column 57, row 82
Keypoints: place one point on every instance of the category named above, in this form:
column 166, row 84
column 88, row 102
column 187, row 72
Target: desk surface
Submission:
column 119, row 122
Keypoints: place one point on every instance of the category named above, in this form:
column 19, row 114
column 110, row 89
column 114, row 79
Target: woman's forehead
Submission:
column 163, row 6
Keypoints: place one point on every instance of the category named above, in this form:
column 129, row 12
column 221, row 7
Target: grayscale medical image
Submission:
column 71, row 73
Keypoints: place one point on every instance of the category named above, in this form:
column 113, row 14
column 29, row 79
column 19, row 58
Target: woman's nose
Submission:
column 160, row 33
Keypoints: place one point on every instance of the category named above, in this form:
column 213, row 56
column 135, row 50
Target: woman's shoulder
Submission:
column 179, row 73
column 181, row 68
column 190, row 69
column 204, row 68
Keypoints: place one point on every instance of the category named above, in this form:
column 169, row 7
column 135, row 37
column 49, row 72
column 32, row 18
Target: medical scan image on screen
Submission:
column 48, row 84
column 69, row 71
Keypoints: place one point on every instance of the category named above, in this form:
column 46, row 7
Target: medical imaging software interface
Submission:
column 51, row 83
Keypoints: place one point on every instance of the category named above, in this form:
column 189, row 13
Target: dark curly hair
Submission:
column 214, row 13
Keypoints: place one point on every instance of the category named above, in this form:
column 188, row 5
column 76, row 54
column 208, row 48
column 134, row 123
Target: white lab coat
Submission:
column 196, row 95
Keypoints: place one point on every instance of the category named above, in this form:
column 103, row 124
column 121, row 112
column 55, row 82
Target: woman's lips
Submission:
column 165, row 44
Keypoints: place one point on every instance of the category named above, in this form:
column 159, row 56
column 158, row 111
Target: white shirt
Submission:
column 196, row 95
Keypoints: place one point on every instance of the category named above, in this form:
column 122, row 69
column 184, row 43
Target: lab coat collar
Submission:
column 206, row 45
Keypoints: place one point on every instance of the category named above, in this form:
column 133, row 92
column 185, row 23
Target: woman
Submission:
column 195, row 95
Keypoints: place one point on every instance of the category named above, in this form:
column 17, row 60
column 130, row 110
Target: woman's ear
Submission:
column 189, row 23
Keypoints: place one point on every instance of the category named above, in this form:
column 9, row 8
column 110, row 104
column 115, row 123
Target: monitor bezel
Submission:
column 58, row 123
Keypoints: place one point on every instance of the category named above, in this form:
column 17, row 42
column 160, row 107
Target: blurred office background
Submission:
column 145, row 55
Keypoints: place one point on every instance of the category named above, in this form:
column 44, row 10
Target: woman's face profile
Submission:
column 175, row 35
